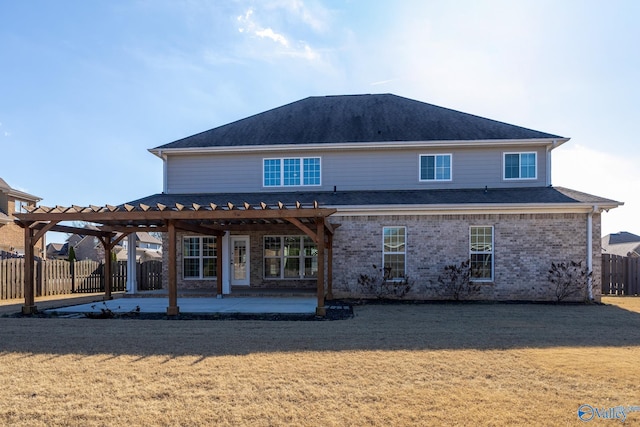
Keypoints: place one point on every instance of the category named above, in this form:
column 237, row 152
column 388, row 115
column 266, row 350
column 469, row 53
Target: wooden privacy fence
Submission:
column 57, row 277
column 620, row 275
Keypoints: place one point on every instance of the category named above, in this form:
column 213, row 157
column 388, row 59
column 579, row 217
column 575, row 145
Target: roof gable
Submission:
column 354, row 119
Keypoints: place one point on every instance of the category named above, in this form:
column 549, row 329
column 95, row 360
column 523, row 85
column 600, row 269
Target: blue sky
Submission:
column 87, row 87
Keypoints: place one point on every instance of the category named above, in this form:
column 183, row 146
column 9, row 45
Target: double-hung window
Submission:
column 481, row 253
column 290, row 257
column 394, row 251
column 289, row 172
column 520, row 166
column 435, row 167
column 199, row 257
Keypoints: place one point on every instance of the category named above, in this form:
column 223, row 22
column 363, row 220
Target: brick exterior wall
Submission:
column 524, row 247
column 12, row 236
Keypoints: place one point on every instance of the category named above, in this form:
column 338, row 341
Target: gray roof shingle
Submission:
column 353, row 119
column 529, row 195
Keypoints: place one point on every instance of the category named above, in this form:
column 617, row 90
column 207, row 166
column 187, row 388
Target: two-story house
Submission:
column 11, row 235
column 415, row 187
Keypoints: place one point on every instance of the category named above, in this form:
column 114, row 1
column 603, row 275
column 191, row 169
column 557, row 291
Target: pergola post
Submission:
column 173, row 309
column 320, row 310
column 108, row 275
column 330, row 266
column 29, row 306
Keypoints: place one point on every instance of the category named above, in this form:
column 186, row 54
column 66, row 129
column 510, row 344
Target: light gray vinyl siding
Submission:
column 348, row 170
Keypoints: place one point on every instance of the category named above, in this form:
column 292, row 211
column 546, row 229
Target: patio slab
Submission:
column 239, row 305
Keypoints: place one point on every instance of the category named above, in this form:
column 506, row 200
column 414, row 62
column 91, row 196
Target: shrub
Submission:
column 569, row 278
column 382, row 285
column 456, row 281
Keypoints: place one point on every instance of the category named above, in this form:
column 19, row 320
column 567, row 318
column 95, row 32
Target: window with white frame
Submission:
column 199, row 257
column 435, row 167
column 289, row 172
column 290, row 257
column 394, row 251
column 520, row 166
column 481, row 253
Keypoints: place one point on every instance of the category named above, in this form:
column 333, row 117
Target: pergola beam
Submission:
column 211, row 219
column 160, row 216
column 195, row 228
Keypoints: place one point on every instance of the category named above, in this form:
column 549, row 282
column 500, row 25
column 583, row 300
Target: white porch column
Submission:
column 132, row 280
column 226, row 259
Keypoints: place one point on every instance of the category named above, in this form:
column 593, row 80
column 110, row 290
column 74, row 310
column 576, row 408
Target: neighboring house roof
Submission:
column 55, row 247
column 390, row 198
column 145, row 237
column 623, row 244
column 356, row 119
column 17, row 194
column 4, row 218
column 122, row 254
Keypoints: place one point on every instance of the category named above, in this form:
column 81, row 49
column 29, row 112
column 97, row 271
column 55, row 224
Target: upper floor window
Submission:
column 21, row 206
column 435, row 167
column 291, row 172
column 520, row 166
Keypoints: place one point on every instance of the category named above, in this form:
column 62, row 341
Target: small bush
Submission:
column 569, row 278
column 456, row 281
column 382, row 285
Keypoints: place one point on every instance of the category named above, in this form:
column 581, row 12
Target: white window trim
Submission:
column 520, row 153
column 396, row 253
column 200, row 257
column 283, row 258
column 282, row 159
column 434, row 178
column 492, row 253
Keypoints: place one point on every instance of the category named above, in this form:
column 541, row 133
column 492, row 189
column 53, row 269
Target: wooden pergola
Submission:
column 208, row 219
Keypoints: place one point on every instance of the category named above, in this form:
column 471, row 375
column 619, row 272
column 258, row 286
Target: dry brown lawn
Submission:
column 431, row 364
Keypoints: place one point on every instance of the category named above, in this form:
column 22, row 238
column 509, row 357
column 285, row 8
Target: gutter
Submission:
column 555, row 142
column 492, row 208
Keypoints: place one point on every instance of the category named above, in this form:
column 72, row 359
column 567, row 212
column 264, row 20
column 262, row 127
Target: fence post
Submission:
column 72, row 268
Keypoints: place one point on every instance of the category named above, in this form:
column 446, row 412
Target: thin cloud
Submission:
column 248, row 24
column 270, row 34
column 382, row 82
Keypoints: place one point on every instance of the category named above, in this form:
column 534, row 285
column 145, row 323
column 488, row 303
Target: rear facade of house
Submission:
column 416, row 187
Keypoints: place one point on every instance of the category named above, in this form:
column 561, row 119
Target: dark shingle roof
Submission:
column 356, row 118
column 532, row 195
column 622, row 237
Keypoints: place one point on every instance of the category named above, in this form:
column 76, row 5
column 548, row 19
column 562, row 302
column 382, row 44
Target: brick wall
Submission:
column 524, row 247
column 12, row 239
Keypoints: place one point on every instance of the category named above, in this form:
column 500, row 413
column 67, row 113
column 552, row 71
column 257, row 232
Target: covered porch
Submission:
column 219, row 220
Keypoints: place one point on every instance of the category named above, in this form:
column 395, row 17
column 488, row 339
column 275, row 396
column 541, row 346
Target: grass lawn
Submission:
column 431, row 364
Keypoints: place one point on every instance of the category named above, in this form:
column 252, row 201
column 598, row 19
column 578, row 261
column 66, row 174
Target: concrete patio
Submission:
column 200, row 305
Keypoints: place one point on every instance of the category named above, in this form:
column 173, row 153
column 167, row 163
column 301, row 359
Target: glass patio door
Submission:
column 240, row 261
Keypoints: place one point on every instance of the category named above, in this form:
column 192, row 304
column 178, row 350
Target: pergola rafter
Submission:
column 208, row 219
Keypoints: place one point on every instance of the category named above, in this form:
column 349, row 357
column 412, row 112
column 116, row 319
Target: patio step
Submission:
column 285, row 292
column 235, row 292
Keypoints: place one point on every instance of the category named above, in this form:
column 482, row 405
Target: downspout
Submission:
column 164, row 172
column 590, row 250
column 550, row 147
